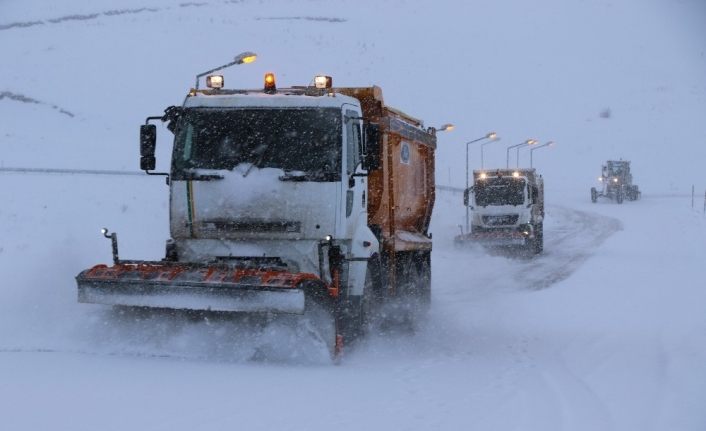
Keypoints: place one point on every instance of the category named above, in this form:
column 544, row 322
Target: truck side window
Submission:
column 353, row 141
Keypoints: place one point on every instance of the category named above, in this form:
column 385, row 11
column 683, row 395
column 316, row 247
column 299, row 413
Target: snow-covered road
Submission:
column 575, row 339
column 604, row 331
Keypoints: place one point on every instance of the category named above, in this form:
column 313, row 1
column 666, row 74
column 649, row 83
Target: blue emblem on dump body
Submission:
column 404, row 154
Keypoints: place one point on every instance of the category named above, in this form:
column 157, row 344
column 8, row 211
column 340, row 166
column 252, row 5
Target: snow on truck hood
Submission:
column 256, row 195
column 259, row 99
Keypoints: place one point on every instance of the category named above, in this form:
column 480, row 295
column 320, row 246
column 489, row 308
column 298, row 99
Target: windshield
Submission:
column 305, row 141
column 500, row 191
column 616, row 168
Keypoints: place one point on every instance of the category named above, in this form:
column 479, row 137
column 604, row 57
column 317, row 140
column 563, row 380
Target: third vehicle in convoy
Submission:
column 616, row 183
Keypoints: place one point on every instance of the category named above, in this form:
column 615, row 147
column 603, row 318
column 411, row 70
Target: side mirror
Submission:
column 371, row 161
column 171, row 115
column 148, row 143
column 466, row 196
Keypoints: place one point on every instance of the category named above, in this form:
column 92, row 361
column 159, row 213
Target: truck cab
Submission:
column 269, row 177
column 507, row 208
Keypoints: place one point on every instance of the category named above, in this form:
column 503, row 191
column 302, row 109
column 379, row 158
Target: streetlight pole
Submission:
column 496, row 138
column 517, row 155
column 548, row 144
column 490, row 135
column 243, row 57
column 527, row 142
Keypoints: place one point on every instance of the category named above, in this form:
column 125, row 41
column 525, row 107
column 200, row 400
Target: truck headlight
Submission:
column 525, row 229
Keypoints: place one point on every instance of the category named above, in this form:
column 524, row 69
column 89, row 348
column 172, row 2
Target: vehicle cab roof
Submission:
column 283, row 98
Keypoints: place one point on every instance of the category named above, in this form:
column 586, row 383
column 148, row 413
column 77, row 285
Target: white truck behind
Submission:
column 507, row 209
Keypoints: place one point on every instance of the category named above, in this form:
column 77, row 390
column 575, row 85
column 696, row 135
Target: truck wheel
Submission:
column 372, row 295
column 632, row 193
column 619, row 197
column 539, row 238
column 425, row 282
column 359, row 311
column 415, row 288
column 594, row 195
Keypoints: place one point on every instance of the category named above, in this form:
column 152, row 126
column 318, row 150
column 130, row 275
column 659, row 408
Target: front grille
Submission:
column 254, row 226
column 500, row 220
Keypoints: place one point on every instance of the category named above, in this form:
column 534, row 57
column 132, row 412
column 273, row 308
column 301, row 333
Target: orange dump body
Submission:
column 401, row 190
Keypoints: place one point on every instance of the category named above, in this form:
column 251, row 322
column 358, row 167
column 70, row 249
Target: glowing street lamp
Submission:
column 522, row 144
column 242, row 58
column 548, row 144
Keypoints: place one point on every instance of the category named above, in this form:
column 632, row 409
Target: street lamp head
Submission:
column 242, row 58
column 445, row 128
column 531, row 142
column 245, row 57
column 492, row 136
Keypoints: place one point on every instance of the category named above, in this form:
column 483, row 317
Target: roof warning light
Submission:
column 323, row 82
column 270, row 86
column 214, row 81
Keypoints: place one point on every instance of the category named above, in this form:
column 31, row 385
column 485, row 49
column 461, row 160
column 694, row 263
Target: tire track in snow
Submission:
column 135, row 11
column 567, row 246
column 17, row 97
column 76, row 17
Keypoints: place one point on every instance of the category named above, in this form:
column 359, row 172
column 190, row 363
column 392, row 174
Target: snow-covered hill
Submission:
column 605, row 330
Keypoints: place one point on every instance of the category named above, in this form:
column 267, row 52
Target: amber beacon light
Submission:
column 270, row 86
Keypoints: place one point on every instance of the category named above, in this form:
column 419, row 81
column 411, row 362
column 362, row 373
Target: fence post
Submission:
column 692, row 196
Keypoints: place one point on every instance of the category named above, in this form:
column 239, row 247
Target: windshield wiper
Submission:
column 259, row 161
column 194, row 176
column 307, row 176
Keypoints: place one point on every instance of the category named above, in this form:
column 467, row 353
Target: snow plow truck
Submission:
column 311, row 199
column 507, row 209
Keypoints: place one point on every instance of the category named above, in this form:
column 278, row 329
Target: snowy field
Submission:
column 606, row 330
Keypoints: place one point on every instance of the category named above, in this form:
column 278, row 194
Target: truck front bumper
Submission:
column 495, row 238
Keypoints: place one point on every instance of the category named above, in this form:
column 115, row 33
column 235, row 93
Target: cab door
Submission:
column 355, row 186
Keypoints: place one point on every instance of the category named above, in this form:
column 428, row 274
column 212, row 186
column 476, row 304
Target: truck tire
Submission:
column 632, row 193
column 619, row 196
column 539, row 238
column 414, row 288
column 372, row 294
column 424, row 271
column 360, row 311
column 594, row 195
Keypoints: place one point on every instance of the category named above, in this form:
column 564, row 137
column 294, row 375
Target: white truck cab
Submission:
column 507, row 208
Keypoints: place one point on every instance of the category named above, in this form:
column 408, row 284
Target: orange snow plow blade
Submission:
column 195, row 287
